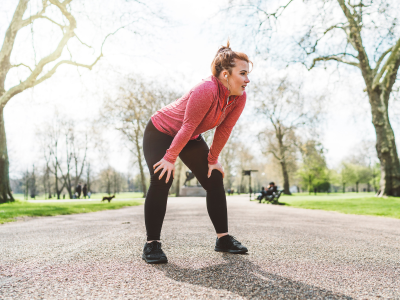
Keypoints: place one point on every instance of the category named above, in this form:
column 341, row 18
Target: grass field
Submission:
column 93, row 196
column 10, row 211
column 348, row 203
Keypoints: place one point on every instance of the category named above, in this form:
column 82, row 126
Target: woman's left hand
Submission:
column 218, row 167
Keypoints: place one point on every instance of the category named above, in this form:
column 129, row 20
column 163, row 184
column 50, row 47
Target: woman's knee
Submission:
column 215, row 181
column 160, row 183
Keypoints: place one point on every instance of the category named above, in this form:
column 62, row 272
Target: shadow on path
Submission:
column 240, row 276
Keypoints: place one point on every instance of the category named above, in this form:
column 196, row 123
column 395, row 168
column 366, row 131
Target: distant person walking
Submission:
column 175, row 130
column 84, row 190
column 78, row 190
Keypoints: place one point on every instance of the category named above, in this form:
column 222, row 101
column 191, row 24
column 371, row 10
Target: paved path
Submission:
column 294, row 254
column 77, row 200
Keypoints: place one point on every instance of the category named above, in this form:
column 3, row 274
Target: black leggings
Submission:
column 194, row 155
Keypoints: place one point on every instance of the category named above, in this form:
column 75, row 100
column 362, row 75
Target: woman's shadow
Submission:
column 240, row 276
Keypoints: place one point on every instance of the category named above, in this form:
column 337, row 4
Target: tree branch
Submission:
column 333, row 57
column 16, row 66
column 381, row 58
column 32, row 79
column 389, row 64
column 354, row 36
column 314, row 47
column 54, row 22
column 69, row 62
column 83, row 42
column 9, row 39
column 29, row 20
column 280, row 10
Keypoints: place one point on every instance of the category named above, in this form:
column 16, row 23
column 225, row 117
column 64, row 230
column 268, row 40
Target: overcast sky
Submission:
column 178, row 54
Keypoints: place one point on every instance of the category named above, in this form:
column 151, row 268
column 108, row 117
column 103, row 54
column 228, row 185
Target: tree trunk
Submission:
column 56, row 183
column 282, row 153
column 88, row 177
column 285, row 178
column 344, row 188
column 139, row 157
column 385, row 145
column 178, row 178
column 357, row 187
column 5, row 190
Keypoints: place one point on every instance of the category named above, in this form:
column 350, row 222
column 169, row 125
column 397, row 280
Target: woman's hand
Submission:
column 167, row 167
column 218, row 167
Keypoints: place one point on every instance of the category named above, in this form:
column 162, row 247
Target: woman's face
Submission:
column 238, row 80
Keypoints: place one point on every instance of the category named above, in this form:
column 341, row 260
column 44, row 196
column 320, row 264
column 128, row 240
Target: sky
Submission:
column 176, row 53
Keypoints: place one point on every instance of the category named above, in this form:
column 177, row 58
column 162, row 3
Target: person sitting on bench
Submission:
column 271, row 189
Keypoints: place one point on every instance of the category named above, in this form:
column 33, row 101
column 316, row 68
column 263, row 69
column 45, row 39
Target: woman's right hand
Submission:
column 166, row 166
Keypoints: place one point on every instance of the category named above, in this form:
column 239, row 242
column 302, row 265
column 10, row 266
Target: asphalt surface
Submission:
column 293, row 254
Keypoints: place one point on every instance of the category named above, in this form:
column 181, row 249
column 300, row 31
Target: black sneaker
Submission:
column 153, row 254
column 228, row 243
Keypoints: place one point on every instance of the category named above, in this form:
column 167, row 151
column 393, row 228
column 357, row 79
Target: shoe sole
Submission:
column 231, row 251
column 155, row 261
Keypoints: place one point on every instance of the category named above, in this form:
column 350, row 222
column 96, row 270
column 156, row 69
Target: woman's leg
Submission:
column 194, row 155
column 155, row 144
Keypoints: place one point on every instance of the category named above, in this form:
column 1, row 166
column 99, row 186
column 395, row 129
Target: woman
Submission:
column 175, row 130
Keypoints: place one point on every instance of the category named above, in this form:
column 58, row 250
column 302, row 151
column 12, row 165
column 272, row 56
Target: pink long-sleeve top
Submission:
column 204, row 107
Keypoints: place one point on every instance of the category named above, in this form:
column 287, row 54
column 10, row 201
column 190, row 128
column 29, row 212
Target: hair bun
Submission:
column 225, row 59
column 224, row 48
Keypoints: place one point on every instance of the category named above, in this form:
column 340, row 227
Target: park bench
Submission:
column 273, row 199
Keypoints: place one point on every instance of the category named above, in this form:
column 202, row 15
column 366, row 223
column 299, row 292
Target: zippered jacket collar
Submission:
column 223, row 92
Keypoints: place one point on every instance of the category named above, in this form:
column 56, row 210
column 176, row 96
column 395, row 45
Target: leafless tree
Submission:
column 131, row 110
column 177, row 179
column 49, row 136
column 65, row 151
column 229, row 155
column 76, row 149
column 61, row 16
column 361, row 34
column 37, row 73
column 245, row 162
column 112, row 182
column 288, row 115
column 88, row 175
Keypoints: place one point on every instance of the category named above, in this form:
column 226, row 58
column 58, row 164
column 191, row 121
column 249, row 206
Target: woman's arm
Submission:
column 198, row 104
column 224, row 130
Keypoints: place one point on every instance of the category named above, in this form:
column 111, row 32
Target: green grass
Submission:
column 129, row 195
column 348, row 203
column 10, row 211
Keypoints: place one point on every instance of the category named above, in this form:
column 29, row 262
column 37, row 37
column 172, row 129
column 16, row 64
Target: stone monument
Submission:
column 191, row 191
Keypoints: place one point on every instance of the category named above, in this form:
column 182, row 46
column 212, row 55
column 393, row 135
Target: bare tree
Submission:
column 38, row 73
column 361, row 34
column 65, row 150
column 177, row 179
column 131, row 110
column 60, row 15
column 32, row 183
column 112, row 181
column 229, row 156
column 49, row 136
column 88, row 175
column 245, row 162
column 288, row 114
column 76, row 149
